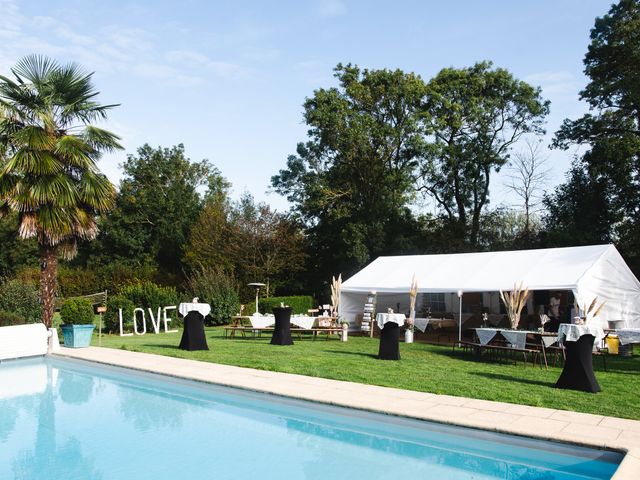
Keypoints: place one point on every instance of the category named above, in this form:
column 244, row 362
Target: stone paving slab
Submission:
column 544, row 423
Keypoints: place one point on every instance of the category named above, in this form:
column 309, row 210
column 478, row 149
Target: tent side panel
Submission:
column 612, row 281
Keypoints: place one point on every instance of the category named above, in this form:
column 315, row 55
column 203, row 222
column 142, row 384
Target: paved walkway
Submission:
column 546, row 423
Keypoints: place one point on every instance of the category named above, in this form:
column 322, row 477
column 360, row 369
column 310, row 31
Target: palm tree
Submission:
column 48, row 154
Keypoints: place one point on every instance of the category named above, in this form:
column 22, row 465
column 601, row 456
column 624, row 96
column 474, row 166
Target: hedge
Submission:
column 300, row 303
column 7, row 319
column 111, row 317
column 21, row 299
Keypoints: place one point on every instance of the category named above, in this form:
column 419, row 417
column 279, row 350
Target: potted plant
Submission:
column 77, row 322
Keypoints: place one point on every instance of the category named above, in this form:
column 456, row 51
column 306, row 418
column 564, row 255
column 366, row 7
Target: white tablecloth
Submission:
column 571, row 333
column 485, row 335
column 262, row 322
column 202, row 308
column 383, row 318
column 628, row 335
column 303, row 321
column 421, row 323
column 517, row 338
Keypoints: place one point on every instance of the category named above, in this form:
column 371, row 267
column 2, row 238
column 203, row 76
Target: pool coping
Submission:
column 596, row 431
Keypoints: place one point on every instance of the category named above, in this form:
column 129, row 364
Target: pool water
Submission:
column 64, row 419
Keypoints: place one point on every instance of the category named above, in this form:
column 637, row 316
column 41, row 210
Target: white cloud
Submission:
column 196, row 60
column 331, row 8
column 10, row 19
column 110, row 49
column 560, row 83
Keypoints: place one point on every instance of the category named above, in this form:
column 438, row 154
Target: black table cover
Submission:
column 577, row 373
column 389, row 342
column 193, row 334
column 282, row 331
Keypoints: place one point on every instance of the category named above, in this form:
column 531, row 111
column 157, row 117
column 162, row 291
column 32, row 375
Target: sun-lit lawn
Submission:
column 426, row 368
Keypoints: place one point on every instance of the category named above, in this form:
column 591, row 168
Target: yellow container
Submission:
column 612, row 344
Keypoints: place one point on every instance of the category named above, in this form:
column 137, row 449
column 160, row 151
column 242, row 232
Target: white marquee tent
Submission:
column 589, row 271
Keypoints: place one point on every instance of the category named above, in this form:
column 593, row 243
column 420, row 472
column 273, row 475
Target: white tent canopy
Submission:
column 589, row 271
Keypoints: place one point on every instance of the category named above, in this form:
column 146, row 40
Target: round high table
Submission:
column 577, row 373
column 282, row 330
column 389, row 324
column 193, row 337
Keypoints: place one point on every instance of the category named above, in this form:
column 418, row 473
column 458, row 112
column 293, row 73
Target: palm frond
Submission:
column 101, row 140
column 34, row 68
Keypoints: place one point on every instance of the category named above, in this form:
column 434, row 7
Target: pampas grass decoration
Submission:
column 413, row 294
column 514, row 302
column 592, row 311
column 336, row 286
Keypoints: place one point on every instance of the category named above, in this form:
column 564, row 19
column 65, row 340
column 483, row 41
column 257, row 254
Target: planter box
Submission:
column 77, row 336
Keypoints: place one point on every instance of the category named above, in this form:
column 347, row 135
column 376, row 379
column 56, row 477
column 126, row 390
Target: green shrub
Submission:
column 299, row 304
column 8, row 318
column 77, row 311
column 76, row 281
column 218, row 290
column 149, row 295
column 111, row 319
column 21, row 299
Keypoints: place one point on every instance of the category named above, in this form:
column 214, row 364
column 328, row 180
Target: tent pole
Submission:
column 460, row 317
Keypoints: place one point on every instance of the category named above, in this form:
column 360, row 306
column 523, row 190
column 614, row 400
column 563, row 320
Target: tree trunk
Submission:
column 48, row 282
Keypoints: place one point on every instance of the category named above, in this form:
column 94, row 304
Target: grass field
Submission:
column 425, row 368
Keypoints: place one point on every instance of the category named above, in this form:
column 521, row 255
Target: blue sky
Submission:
column 228, row 78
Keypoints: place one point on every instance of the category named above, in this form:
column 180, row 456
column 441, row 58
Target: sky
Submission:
column 228, row 78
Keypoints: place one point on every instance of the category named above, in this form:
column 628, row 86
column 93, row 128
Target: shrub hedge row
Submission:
column 299, row 304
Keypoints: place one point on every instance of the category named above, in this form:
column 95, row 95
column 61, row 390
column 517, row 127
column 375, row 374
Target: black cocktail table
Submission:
column 193, row 337
column 577, row 373
column 389, row 342
column 282, row 331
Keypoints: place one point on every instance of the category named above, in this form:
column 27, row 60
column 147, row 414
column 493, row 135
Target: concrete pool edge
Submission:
column 588, row 430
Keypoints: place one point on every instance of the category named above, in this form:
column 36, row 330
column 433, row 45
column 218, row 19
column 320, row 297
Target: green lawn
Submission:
column 425, row 368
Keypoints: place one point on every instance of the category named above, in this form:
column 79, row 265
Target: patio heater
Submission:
column 459, row 317
column 257, row 286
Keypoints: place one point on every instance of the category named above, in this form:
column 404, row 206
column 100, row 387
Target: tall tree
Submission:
column 157, row 205
column 528, row 174
column 611, row 129
column 350, row 183
column 48, row 154
column 474, row 116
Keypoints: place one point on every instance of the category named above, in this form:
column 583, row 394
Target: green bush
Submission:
column 21, row 299
column 299, row 304
column 149, row 295
column 8, row 318
column 111, row 319
column 218, row 290
column 77, row 311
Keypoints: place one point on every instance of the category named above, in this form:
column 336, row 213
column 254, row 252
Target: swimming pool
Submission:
column 65, row 419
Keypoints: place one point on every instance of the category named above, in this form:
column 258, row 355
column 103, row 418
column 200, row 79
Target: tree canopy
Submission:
column 473, row 117
column 607, row 176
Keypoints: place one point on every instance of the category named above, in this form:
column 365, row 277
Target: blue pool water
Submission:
column 63, row 419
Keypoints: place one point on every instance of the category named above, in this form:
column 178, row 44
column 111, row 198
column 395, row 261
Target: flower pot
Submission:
column 408, row 336
column 344, row 333
column 77, row 336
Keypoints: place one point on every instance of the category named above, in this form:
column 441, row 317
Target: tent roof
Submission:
column 542, row 269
